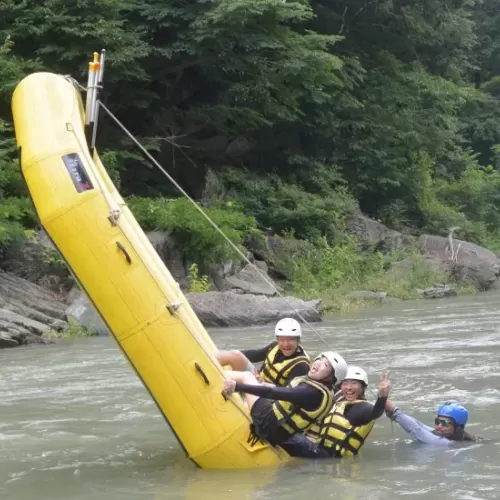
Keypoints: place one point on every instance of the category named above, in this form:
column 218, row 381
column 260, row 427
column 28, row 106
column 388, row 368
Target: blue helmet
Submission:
column 455, row 411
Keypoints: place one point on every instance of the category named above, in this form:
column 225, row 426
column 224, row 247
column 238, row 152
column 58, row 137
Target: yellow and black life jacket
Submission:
column 297, row 420
column 314, row 432
column 277, row 372
column 338, row 434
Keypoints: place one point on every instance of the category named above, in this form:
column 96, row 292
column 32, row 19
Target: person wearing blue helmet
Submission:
column 449, row 424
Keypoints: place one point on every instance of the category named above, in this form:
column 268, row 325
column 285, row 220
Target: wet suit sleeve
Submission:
column 300, row 370
column 362, row 413
column 304, row 396
column 417, row 429
column 257, row 355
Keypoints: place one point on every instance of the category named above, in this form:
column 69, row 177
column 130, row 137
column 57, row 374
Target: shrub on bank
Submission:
column 333, row 272
column 73, row 330
column 198, row 240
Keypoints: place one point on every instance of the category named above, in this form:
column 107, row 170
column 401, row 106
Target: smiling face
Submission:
column 288, row 345
column 444, row 426
column 321, row 369
column 352, row 389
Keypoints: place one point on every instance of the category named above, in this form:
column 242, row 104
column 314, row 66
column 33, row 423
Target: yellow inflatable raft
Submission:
column 121, row 273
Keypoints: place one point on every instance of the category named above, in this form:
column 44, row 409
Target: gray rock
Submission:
column 439, row 292
column 232, row 309
column 253, row 281
column 278, row 253
column 36, row 259
column 81, row 311
column 367, row 295
column 14, row 338
column 219, row 272
column 169, row 251
column 262, row 265
column 496, row 285
column 390, row 299
column 372, row 234
column 27, row 324
column 74, row 294
column 6, row 340
column 58, row 325
column 43, row 240
column 18, row 330
column 471, row 261
column 15, row 289
column 26, row 311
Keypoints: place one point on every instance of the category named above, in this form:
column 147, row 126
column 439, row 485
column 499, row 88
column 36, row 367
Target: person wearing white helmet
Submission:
column 344, row 430
column 281, row 412
column 282, row 360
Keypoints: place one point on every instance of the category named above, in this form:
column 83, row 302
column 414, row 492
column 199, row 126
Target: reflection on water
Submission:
column 76, row 422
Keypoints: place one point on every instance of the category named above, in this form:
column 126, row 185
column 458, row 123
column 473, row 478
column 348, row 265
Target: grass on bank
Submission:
column 332, row 273
column 73, row 330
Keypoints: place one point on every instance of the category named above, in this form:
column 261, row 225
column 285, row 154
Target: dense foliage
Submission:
column 290, row 111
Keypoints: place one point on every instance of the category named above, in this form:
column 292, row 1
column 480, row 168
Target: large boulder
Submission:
column 219, row 272
column 279, row 253
column 368, row 295
column 370, row 234
column 37, row 260
column 29, row 300
column 168, row 250
column 465, row 260
column 26, row 311
column 170, row 253
column 253, row 279
column 440, row 291
column 81, row 311
column 236, row 309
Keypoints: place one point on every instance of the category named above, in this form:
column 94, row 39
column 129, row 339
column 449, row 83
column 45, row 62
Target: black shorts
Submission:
column 265, row 424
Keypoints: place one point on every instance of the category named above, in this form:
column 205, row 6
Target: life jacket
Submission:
column 314, row 432
column 296, row 420
column 277, row 373
column 339, row 436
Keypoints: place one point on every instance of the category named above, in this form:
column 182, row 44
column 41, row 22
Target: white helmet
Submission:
column 288, row 327
column 356, row 373
column 338, row 362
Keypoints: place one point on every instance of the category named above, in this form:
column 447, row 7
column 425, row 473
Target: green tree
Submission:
column 296, row 108
column 15, row 209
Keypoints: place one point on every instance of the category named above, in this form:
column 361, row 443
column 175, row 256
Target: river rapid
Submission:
column 76, row 423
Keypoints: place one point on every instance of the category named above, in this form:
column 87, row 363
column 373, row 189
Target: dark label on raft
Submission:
column 77, row 172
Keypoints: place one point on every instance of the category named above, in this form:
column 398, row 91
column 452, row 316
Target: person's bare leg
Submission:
column 244, row 378
column 236, row 359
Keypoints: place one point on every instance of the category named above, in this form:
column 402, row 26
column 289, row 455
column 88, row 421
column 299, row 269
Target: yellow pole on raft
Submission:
column 95, row 110
column 114, row 267
column 96, row 77
column 91, row 89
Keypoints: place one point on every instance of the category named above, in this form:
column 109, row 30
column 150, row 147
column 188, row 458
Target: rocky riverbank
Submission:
column 38, row 294
column 28, row 310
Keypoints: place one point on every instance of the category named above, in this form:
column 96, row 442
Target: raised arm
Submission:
column 415, row 428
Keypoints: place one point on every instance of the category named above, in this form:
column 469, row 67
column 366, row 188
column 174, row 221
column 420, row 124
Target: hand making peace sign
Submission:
column 385, row 384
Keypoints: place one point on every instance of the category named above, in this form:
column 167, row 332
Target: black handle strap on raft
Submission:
column 124, row 251
column 202, row 373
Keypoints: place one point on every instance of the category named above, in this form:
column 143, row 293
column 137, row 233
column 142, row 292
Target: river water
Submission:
column 75, row 422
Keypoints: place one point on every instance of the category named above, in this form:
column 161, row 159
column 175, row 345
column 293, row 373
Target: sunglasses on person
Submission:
column 444, row 423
